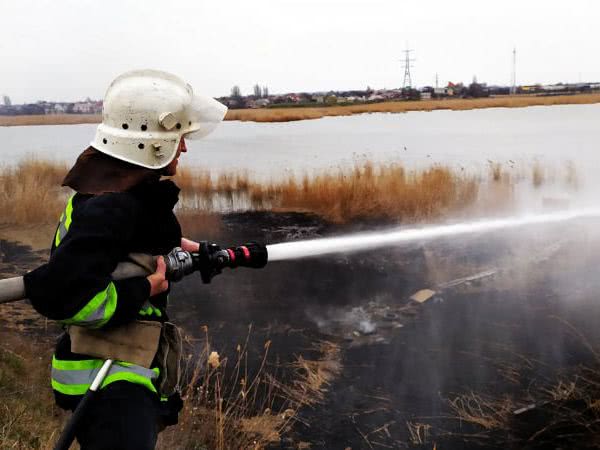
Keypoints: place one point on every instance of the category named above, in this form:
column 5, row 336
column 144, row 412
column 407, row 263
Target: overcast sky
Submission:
column 71, row 49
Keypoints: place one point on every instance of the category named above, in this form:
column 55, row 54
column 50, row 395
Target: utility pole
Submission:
column 513, row 88
column 407, row 64
column 437, row 81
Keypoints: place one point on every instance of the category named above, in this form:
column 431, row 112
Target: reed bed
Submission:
column 30, row 193
column 49, row 119
column 368, row 191
column 460, row 104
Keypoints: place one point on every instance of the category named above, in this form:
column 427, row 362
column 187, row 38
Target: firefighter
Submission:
column 122, row 205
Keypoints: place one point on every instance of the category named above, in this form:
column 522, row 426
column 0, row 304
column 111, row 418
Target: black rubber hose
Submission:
column 68, row 435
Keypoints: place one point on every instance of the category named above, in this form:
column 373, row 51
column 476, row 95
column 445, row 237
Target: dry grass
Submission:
column 50, row 119
column 563, row 412
column 236, row 408
column 379, row 192
column 304, row 113
column 291, row 114
column 366, row 192
column 225, row 407
column 30, row 192
column 489, row 414
column 28, row 417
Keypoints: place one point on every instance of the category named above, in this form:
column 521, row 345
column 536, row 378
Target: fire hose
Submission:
column 210, row 261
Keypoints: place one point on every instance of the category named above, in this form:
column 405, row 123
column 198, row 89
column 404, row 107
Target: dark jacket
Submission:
column 103, row 230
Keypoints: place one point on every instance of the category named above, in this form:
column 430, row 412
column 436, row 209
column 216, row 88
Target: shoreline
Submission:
column 290, row 114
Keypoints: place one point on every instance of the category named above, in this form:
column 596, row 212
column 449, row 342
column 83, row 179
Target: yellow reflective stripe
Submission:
column 84, row 364
column 70, row 389
column 69, row 212
column 132, row 378
column 81, row 389
column 57, row 237
column 94, row 364
column 87, row 316
column 65, row 222
column 149, row 309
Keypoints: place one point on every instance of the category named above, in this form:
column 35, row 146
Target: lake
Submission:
column 551, row 135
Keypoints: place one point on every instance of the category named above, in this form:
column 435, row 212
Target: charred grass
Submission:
column 563, row 412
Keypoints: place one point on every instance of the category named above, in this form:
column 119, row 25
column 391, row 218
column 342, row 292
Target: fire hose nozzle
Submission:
column 211, row 259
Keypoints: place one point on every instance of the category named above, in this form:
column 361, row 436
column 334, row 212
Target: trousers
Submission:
column 123, row 416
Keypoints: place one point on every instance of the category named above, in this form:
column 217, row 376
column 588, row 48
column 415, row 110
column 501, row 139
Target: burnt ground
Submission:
column 514, row 314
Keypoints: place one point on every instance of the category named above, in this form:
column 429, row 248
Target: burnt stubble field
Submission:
column 503, row 354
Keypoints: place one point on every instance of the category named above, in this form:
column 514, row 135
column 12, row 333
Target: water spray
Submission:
column 372, row 240
column 211, row 259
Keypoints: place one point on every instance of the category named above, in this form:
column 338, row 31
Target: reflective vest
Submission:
column 75, row 377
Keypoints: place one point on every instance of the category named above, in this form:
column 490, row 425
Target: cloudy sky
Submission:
column 71, row 49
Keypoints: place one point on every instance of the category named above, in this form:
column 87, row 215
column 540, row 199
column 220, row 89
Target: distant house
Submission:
column 425, row 95
column 262, row 102
column 552, row 88
column 60, row 108
column 84, row 108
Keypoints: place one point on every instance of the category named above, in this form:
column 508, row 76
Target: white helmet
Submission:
column 147, row 112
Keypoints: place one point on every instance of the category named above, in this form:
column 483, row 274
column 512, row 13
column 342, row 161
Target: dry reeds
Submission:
column 303, row 113
column 366, row 192
column 238, row 407
column 379, row 192
column 49, row 119
column 31, row 193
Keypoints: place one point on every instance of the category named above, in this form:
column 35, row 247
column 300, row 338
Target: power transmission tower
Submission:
column 407, row 64
column 513, row 88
